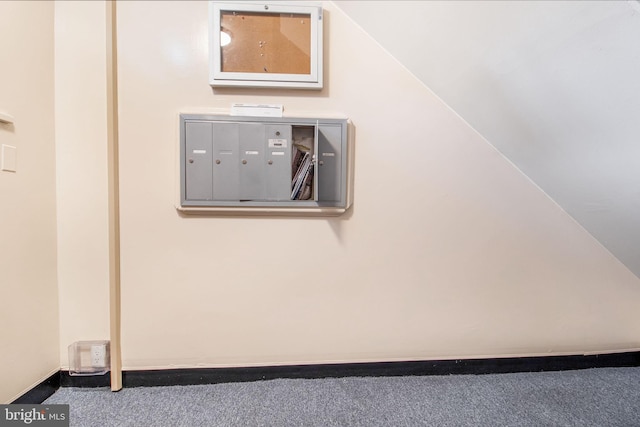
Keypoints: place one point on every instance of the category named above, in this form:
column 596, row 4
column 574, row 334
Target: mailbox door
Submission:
column 278, row 146
column 329, row 163
column 198, row 155
column 252, row 161
column 226, row 158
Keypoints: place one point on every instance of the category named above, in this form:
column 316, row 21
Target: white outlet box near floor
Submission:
column 89, row 358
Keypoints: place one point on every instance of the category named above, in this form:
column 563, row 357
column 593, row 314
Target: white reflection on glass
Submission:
column 225, row 38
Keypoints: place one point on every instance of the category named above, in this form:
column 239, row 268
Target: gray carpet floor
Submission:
column 592, row 397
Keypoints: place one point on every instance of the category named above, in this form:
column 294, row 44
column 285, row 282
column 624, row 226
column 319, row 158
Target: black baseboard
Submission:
column 84, row 381
column 195, row 376
column 41, row 392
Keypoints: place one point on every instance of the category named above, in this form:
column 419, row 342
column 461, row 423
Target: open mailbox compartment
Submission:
column 264, row 164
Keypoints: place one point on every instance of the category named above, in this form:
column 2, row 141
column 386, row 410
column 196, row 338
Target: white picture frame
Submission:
column 256, row 49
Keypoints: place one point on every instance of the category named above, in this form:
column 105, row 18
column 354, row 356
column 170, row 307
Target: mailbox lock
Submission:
column 244, row 162
column 278, row 133
column 217, row 161
column 270, row 162
column 190, row 160
column 321, row 162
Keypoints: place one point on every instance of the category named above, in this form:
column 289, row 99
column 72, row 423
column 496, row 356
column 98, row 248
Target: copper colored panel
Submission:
column 266, row 43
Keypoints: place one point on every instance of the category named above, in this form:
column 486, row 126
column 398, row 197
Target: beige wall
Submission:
column 448, row 251
column 29, row 314
column 81, row 159
column 551, row 84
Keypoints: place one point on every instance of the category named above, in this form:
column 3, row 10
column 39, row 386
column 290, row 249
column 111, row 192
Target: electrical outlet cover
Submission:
column 89, row 358
column 98, row 354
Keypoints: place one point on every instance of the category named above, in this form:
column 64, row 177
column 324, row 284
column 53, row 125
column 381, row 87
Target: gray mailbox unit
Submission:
column 263, row 163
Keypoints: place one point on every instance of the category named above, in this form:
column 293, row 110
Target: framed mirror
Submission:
column 265, row 44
